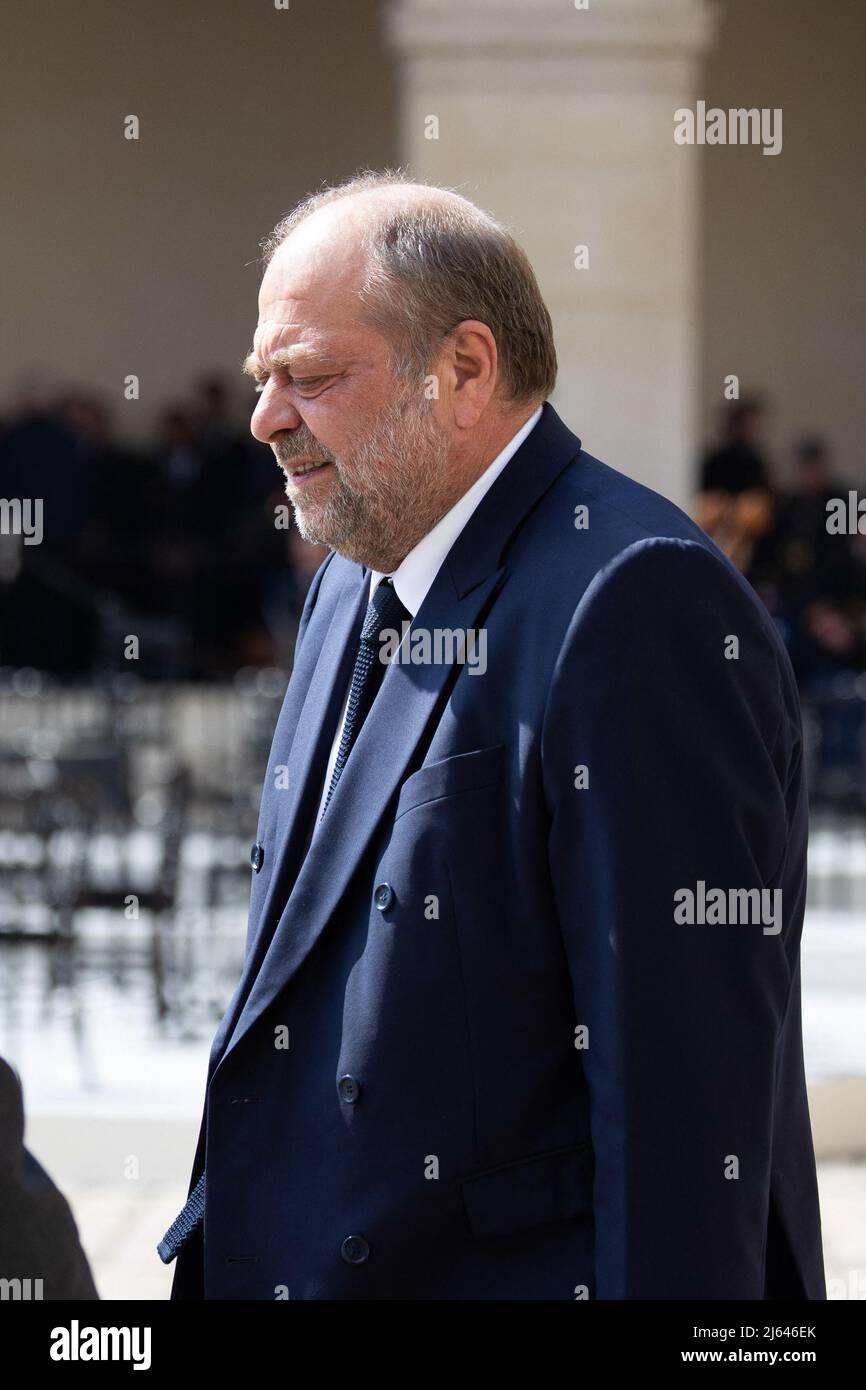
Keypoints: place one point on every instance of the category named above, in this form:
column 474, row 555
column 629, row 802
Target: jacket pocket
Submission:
column 482, row 767
column 549, row 1186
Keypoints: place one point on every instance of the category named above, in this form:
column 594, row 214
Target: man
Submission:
column 739, row 463
column 476, row 1053
column 735, row 505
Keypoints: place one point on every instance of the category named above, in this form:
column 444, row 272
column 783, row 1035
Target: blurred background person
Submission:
column 736, row 502
column 40, row 1253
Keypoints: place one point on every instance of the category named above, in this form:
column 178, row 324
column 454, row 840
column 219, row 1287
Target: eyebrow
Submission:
column 284, row 359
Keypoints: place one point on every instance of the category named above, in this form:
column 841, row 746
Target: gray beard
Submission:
column 387, row 494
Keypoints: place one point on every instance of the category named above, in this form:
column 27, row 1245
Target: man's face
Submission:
column 364, row 457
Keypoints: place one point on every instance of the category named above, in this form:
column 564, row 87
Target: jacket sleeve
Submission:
column 692, row 758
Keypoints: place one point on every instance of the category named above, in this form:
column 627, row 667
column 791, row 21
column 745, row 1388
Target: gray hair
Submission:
column 431, row 263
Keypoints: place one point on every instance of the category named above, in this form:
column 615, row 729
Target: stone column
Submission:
column 558, row 117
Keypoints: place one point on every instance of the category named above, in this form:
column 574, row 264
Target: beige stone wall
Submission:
column 784, row 291
column 561, row 122
column 140, row 257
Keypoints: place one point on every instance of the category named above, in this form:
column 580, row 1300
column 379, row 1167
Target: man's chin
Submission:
column 313, row 527
column 348, row 547
column 310, row 526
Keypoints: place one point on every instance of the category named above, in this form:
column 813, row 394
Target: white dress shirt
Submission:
column 414, row 576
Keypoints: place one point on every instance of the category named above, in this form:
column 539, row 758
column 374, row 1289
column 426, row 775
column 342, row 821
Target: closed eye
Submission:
column 308, row 383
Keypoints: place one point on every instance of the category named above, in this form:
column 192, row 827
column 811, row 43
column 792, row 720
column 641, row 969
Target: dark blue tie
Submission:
column 385, row 612
column 183, row 1226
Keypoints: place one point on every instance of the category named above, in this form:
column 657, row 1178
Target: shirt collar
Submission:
column 414, row 576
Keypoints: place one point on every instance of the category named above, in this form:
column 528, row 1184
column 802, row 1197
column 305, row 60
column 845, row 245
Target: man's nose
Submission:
column 273, row 413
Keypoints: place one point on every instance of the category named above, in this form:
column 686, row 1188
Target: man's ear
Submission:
column 472, row 366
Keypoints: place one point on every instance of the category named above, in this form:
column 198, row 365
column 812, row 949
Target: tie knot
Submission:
column 384, row 611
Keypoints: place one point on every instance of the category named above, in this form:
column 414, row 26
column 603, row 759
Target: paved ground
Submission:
column 126, row 1181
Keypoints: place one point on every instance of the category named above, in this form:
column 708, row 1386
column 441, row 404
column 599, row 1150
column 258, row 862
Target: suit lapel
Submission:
column 296, row 804
column 460, row 598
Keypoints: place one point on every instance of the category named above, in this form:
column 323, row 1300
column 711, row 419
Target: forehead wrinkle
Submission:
column 268, row 335
column 287, row 358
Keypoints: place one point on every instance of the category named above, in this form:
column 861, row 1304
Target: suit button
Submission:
column 257, row 857
column 348, row 1088
column 383, row 896
column 354, row 1250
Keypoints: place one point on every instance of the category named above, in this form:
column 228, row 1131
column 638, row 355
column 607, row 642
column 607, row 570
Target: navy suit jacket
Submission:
column 472, row 1054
